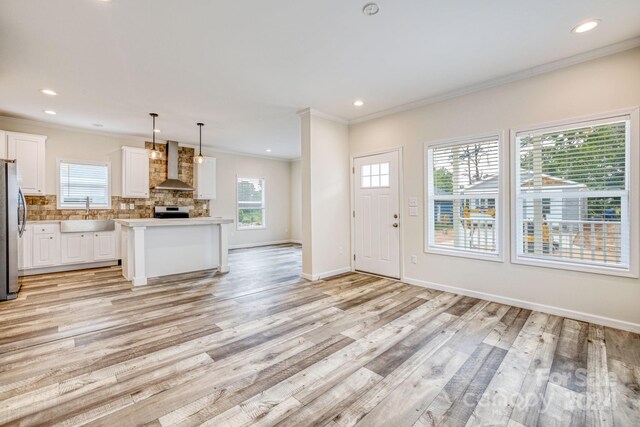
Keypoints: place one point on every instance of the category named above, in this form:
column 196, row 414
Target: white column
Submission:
column 139, row 268
column 223, row 249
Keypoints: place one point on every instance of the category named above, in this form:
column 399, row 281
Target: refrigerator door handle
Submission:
column 22, row 224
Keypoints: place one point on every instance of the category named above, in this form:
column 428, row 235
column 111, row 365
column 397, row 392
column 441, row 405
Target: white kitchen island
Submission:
column 160, row 247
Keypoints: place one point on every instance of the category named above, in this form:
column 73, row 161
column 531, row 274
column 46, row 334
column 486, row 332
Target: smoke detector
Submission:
column 370, row 9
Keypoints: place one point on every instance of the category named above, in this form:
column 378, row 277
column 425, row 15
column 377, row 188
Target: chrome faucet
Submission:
column 87, row 205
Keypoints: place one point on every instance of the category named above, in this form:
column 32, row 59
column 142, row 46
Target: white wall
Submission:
column 598, row 86
column 325, row 211
column 69, row 143
column 295, row 203
column 277, row 188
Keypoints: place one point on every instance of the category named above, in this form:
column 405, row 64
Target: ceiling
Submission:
column 245, row 68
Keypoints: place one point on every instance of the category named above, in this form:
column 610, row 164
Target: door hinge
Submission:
column 353, row 170
column 354, row 257
column 354, row 214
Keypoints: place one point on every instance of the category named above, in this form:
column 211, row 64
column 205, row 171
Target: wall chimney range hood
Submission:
column 172, row 182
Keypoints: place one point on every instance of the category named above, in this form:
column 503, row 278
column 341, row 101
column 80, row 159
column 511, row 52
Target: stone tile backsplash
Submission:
column 41, row 208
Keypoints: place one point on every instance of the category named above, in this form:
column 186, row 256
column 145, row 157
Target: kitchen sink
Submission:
column 81, row 226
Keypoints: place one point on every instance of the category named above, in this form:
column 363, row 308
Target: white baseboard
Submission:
column 558, row 311
column 314, row 277
column 66, row 267
column 258, row 244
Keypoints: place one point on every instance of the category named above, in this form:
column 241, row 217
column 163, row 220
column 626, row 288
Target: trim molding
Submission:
column 314, row 277
column 67, row 267
column 260, row 244
column 519, row 75
column 317, row 113
column 558, row 311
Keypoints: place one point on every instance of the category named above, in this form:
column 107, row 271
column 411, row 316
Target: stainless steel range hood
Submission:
column 172, row 182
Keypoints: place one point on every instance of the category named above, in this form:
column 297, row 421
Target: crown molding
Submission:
column 234, row 153
column 137, row 138
column 519, row 75
column 317, row 113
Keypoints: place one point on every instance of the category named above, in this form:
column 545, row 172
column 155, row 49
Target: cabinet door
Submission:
column 25, row 249
column 28, row 152
column 45, row 250
column 3, row 145
column 104, row 246
column 205, row 179
column 135, row 172
column 76, row 248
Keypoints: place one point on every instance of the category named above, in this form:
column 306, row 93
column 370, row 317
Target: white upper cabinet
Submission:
column 28, row 152
column 135, row 172
column 3, row 144
column 204, row 176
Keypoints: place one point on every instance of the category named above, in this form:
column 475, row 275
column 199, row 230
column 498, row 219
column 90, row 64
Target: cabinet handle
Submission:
column 43, row 229
column 50, row 238
column 82, row 235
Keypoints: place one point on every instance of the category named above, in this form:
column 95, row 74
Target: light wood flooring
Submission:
column 260, row 346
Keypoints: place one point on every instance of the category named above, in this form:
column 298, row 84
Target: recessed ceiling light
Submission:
column 586, row 26
column 53, row 113
column 268, row 150
column 156, row 130
column 97, row 125
column 49, row 92
column 370, row 9
column 358, row 103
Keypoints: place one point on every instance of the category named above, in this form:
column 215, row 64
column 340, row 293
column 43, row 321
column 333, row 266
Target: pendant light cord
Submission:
column 200, row 126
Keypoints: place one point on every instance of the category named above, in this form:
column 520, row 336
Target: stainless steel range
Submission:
column 171, row 212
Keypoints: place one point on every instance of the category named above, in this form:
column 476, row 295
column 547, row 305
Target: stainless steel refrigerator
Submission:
column 13, row 219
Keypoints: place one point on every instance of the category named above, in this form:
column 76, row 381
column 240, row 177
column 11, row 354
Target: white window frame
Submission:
column 632, row 168
column 77, row 206
column 264, row 204
column 501, row 205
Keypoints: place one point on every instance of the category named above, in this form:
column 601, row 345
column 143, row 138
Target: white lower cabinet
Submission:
column 25, row 248
column 104, row 245
column 76, row 248
column 43, row 246
column 45, row 249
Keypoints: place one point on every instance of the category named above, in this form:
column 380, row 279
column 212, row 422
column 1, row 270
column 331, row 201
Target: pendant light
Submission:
column 154, row 153
column 199, row 159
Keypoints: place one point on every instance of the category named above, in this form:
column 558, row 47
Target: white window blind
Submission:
column 572, row 193
column 464, row 186
column 81, row 180
column 251, row 206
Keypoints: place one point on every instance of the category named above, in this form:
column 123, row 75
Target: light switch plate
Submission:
column 123, row 206
column 413, row 211
column 413, row 201
column 132, row 205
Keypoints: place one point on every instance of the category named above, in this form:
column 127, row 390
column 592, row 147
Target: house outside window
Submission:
column 79, row 181
column 572, row 195
column 464, row 190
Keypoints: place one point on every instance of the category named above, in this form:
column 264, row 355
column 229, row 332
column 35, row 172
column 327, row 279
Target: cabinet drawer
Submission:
column 45, row 228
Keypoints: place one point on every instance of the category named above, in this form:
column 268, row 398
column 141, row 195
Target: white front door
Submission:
column 377, row 214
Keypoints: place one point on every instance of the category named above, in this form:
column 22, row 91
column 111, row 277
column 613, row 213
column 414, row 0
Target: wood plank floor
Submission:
column 259, row 346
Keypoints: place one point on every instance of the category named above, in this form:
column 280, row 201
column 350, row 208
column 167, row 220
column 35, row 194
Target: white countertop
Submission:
column 172, row 222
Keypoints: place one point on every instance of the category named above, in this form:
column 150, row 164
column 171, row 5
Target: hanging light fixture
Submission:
column 154, row 153
column 199, row 159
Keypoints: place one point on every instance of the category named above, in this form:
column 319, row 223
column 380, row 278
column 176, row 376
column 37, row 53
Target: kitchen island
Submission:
column 160, row 247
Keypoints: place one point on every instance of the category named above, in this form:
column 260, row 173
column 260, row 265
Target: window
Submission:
column 464, row 185
column 572, row 194
column 251, row 211
column 375, row 175
column 79, row 180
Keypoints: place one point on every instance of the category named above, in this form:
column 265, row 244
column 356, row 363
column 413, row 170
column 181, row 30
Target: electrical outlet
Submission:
column 414, row 259
column 132, row 205
column 123, row 206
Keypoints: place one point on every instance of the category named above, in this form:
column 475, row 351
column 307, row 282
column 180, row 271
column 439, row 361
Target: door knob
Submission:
column 395, row 216
column 395, row 225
